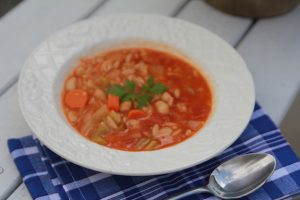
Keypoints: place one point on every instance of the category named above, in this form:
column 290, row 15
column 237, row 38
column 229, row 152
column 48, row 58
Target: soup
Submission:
column 136, row 99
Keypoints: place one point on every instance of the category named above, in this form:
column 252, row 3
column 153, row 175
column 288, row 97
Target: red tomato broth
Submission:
column 187, row 113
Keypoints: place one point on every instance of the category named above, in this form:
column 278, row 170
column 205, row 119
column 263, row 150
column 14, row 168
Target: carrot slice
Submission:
column 76, row 98
column 135, row 113
column 113, row 102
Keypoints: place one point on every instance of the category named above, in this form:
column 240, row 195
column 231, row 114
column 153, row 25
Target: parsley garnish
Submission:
column 143, row 97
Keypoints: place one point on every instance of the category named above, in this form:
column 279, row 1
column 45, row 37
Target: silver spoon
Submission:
column 237, row 177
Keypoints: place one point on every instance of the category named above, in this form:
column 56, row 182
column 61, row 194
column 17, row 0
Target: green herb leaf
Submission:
column 150, row 81
column 129, row 85
column 143, row 97
column 143, row 100
column 158, row 88
column 116, row 90
column 129, row 97
column 145, row 88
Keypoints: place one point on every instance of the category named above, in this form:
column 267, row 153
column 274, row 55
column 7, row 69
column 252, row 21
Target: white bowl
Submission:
column 42, row 77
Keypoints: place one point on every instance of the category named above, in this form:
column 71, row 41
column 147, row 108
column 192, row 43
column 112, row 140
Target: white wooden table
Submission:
column 271, row 48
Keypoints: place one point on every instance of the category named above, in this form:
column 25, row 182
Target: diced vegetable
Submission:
column 113, row 102
column 134, row 114
column 111, row 123
column 176, row 132
column 98, row 139
column 115, row 116
column 76, row 98
column 100, row 113
column 86, row 127
column 102, row 129
column 142, row 143
column 152, row 144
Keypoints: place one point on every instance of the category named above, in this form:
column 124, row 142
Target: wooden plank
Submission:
column 12, row 124
column 21, row 193
column 28, row 24
column 228, row 27
column 272, row 52
column 165, row 7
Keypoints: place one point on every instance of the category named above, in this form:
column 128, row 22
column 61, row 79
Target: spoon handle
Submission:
column 190, row 192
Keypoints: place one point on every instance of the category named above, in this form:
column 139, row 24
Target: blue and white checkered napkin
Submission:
column 48, row 176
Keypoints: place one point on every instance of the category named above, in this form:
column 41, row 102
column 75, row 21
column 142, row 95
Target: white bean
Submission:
column 127, row 72
column 177, row 93
column 125, row 106
column 116, row 64
column 133, row 123
column 167, row 98
column 162, row 107
column 100, row 94
column 139, row 80
column 181, row 107
column 188, row 132
column 128, row 58
column 90, row 83
column 155, row 130
column 165, row 132
column 71, row 84
column 143, row 69
column 193, row 124
column 72, row 116
column 79, row 71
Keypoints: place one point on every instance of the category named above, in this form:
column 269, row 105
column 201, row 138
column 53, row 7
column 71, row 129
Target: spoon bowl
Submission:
column 237, row 177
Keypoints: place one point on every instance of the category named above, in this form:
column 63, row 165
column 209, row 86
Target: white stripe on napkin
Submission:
column 85, row 181
column 55, row 181
column 28, row 176
column 279, row 173
column 24, row 152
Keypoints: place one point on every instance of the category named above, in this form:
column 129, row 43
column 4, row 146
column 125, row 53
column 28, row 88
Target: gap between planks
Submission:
column 247, row 31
